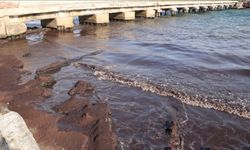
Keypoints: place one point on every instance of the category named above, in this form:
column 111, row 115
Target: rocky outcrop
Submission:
column 75, row 124
column 14, row 133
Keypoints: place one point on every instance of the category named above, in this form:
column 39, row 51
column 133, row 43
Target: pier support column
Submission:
column 174, row 11
column 101, row 19
column 226, row 6
column 195, row 9
column 149, row 13
column 185, row 10
column 158, row 13
column 211, row 8
column 203, row 9
column 61, row 23
column 11, row 29
column 125, row 16
column 220, row 7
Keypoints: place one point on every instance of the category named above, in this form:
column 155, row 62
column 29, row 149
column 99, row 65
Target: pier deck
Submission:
column 60, row 14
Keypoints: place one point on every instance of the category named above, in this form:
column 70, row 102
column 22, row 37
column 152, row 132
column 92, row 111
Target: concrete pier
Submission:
column 62, row 22
column 98, row 19
column 60, row 15
column 185, row 10
column 149, row 13
column 174, row 11
column 125, row 16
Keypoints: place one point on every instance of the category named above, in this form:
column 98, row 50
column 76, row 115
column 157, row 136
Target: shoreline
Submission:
column 76, row 123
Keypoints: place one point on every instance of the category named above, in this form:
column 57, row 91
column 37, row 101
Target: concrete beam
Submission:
column 149, row 13
column 125, row 16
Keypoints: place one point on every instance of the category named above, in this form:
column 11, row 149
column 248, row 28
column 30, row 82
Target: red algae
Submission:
column 93, row 119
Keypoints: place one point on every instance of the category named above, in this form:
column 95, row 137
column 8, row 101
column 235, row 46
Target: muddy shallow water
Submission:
column 152, row 72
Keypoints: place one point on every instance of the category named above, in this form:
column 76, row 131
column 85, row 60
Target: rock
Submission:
column 71, row 105
column 82, row 88
column 167, row 148
column 17, row 28
column 52, row 68
column 204, row 148
column 15, row 132
column 27, row 54
column 46, row 81
column 46, row 93
column 168, row 126
column 172, row 129
column 3, row 144
column 93, row 120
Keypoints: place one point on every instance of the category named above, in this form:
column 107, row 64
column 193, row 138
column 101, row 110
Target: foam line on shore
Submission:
column 196, row 100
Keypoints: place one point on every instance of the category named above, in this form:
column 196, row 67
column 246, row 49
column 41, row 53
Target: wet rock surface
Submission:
column 81, row 88
column 52, row 68
column 76, row 123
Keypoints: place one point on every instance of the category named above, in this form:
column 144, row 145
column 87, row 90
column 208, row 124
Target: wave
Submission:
column 162, row 90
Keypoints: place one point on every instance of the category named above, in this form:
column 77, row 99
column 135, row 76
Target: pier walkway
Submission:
column 60, row 14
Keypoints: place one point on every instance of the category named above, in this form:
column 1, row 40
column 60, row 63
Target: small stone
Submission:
column 46, row 81
column 46, row 93
column 28, row 54
column 167, row 148
column 204, row 148
column 168, row 126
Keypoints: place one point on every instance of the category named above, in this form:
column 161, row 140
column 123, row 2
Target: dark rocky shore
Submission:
column 77, row 123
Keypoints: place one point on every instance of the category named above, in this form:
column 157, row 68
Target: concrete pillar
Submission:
column 220, row 7
column 125, row 16
column 163, row 13
column 149, row 13
column 211, row 8
column 185, row 10
column 174, row 11
column 59, row 23
column 226, row 6
column 3, row 33
column 196, row 9
column 158, row 13
column 203, row 8
column 11, row 29
column 231, row 6
column 95, row 19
